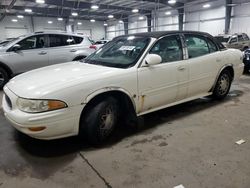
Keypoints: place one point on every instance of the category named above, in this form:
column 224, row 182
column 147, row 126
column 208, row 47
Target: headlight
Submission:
column 36, row 106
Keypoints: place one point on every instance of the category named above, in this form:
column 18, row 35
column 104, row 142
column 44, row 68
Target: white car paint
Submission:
column 149, row 87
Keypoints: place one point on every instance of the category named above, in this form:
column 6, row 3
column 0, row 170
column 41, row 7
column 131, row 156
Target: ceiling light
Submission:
column 40, row 1
column 168, row 13
column 50, row 22
column 206, row 6
column 92, row 20
column 14, row 20
column 94, row 7
column 135, row 10
column 171, row 2
column 141, row 18
column 20, row 16
column 120, row 21
column 105, row 24
column 110, row 16
column 79, row 23
column 74, row 14
column 28, row 10
column 60, row 19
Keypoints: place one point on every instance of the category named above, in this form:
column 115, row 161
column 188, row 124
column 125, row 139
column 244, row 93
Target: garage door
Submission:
column 15, row 32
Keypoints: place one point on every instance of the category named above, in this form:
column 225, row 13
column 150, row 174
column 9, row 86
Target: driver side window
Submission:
column 33, row 42
column 169, row 48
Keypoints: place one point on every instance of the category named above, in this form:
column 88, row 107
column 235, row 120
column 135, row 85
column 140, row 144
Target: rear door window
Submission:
column 196, row 45
column 61, row 40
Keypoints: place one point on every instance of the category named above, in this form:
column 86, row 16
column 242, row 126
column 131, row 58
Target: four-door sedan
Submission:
column 130, row 76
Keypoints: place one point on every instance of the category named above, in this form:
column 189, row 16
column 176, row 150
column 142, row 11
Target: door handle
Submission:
column 218, row 60
column 42, row 53
column 181, row 68
column 73, row 50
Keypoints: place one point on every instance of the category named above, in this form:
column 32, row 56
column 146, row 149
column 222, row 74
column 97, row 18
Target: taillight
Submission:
column 93, row 47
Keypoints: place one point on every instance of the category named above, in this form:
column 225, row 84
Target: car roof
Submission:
column 159, row 34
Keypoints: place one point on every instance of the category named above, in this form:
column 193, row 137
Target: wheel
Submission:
column 99, row 121
column 223, row 85
column 3, row 77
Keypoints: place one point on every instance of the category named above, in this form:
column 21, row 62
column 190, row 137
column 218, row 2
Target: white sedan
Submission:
column 130, row 76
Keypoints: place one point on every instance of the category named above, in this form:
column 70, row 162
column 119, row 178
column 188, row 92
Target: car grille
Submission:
column 8, row 101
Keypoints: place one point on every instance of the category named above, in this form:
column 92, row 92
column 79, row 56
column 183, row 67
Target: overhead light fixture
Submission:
column 94, row 7
column 171, row 2
column 40, row 1
column 50, row 22
column 74, row 14
column 79, row 23
column 168, row 13
column 105, row 24
column 110, row 16
column 20, row 16
column 92, row 20
column 14, row 20
column 206, row 6
column 135, row 10
column 120, row 21
column 60, row 19
column 28, row 10
column 141, row 18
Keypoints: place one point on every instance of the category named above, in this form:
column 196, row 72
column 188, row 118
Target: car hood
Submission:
column 41, row 82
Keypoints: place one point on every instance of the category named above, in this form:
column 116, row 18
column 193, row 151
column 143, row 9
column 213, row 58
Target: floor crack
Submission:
column 93, row 168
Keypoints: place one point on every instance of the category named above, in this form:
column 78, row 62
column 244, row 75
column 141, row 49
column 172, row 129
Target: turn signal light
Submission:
column 36, row 129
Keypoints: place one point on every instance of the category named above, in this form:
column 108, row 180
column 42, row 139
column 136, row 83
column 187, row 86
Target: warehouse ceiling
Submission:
column 120, row 9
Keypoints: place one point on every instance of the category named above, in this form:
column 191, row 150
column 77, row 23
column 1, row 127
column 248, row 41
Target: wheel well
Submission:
column 230, row 69
column 79, row 58
column 127, row 106
column 7, row 69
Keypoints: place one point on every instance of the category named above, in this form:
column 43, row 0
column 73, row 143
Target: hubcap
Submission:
column 107, row 121
column 223, row 84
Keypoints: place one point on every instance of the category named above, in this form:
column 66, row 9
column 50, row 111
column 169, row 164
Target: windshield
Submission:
column 222, row 38
column 122, row 52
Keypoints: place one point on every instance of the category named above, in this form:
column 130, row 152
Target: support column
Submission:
column 228, row 16
column 125, row 21
column 180, row 18
column 149, row 22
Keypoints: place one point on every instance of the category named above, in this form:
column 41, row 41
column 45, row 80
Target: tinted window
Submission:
column 33, row 42
column 240, row 38
column 77, row 40
column 60, row 40
column 222, row 38
column 196, row 45
column 169, row 48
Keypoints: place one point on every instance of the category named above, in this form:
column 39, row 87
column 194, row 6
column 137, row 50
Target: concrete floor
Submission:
column 192, row 144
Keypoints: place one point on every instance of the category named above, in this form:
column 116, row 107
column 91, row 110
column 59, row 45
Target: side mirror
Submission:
column 152, row 59
column 16, row 48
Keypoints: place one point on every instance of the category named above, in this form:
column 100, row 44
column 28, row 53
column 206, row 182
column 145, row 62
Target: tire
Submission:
column 223, row 85
column 99, row 121
column 4, row 78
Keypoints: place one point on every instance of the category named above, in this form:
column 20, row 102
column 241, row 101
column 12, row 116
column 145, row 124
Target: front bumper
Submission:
column 58, row 124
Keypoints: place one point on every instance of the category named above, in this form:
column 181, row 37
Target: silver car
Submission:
column 41, row 49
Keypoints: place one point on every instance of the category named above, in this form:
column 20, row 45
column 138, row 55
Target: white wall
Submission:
column 241, row 19
column 24, row 26
column 210, row 20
